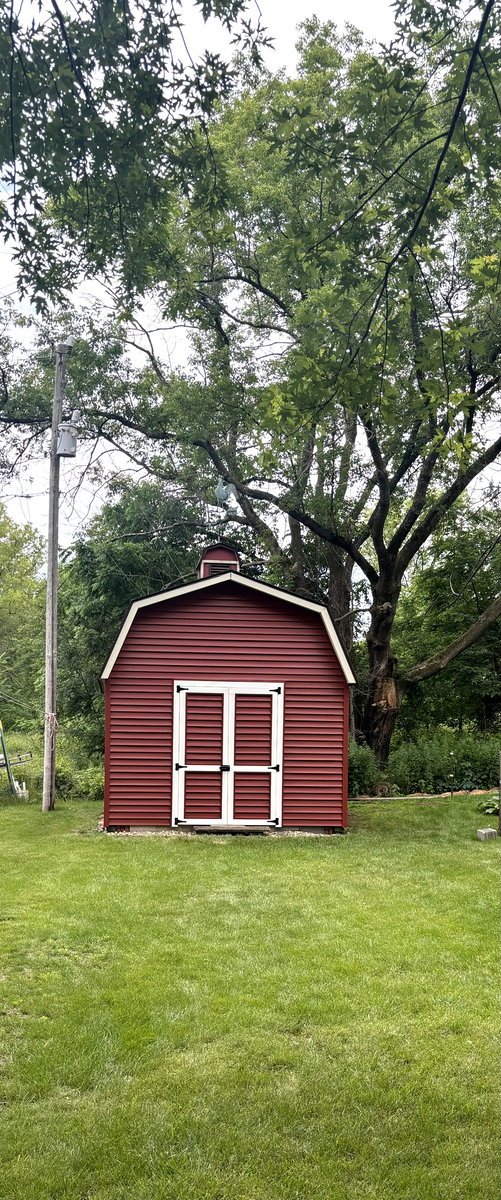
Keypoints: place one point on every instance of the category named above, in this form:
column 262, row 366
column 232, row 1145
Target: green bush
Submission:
column 89, row 784
column 426, row 765
column 490, row 807
column 65, row 776
column 30, row 772
column 76, row 778
column 363, row 773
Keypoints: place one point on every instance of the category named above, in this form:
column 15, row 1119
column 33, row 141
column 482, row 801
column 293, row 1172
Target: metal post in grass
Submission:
column 6, row 762
column 451, row 776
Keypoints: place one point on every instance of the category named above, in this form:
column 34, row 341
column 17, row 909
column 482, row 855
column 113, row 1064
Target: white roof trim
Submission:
column 242, row 581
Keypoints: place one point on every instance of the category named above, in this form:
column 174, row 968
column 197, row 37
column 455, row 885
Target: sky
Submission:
column 27, row 501
column 281, row 19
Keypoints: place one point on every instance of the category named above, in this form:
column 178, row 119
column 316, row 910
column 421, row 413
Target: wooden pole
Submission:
column 49, row 765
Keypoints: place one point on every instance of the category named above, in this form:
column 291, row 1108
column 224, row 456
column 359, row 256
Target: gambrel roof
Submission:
column 240, row 581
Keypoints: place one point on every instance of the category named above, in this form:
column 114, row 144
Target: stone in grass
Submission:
column 485, row 834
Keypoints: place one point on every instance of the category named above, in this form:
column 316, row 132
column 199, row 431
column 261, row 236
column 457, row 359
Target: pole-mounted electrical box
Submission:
column 67, row 433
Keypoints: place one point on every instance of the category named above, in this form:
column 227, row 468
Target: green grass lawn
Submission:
column 248, row 1018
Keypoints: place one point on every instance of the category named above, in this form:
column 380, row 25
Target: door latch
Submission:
column 224, row 768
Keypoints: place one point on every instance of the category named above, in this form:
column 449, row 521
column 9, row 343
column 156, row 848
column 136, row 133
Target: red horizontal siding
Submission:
column 253, row 716
column 204, row 729
column 202, row 795
column 225, row 633
column 251, row 797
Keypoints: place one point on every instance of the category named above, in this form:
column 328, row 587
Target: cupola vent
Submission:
column 217, row 560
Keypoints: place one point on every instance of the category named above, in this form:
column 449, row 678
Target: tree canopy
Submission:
column 21, row 622
column 99, row 115
column 336, row 257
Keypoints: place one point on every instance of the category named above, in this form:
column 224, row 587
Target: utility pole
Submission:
column 63, row 349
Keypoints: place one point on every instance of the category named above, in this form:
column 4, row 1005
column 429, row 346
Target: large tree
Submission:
column 341, row 279
column 346, row 296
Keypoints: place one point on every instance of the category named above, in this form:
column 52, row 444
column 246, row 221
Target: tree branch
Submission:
column 439, row 661
column 473, row 572
column 436, row 512
column 380, row 513
column 418, row 502
column 336, row 539
column 323, row 531
column 256, row 284
column 350, row 436
column 254, row 520
column 457, row 112
column 406, row 244
column 71, row 59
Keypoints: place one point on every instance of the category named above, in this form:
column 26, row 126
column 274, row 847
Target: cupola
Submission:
column 217, row 560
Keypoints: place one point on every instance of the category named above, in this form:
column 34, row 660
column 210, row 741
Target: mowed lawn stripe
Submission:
column 248, row 1018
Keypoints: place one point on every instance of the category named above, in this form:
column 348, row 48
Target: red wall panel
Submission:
column 253, row 718
column 202, row 795
column 251, row 797
column 225, row 633
column 204, row 729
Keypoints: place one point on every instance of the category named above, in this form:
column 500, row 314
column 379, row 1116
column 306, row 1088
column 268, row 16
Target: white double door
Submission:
column 228, row 740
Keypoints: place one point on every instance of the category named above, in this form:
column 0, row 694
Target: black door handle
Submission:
column 224, row 768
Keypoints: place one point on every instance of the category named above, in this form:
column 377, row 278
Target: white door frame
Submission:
column 228, row 690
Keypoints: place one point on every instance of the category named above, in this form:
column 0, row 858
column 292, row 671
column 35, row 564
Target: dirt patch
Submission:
column 422, row 796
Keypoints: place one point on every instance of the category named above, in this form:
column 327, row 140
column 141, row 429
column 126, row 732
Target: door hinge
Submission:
column 277, row 768
column 180, row 767
column 277, row 690
column 224, row 768
column 181, row 689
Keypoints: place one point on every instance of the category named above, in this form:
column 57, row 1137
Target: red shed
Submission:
column 226, row 705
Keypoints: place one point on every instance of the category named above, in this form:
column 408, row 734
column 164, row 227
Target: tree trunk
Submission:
column 386, row 689
column 382, row 708
column 385, row 692
column 340, row 596
column 352, row 728
column 340, row 603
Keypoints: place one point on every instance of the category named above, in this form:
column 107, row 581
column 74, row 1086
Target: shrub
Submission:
column 30, row 772
column 65, row 777
column 363, row 773
column 76, row 778
column 426, row 765
column 490, row 807
column 89, row 784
